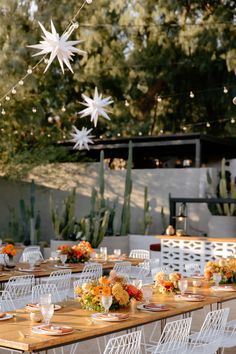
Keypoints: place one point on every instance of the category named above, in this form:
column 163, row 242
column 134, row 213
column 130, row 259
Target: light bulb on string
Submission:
column 225, row 90
column 159, row 99
column 118, row 134
column 63, row 108
column 29, row 71
column 191, row 94
column 21, row 82
column 161, row 131
column 7, row 98
column 234, row 100
column 208, row 125
column 232, row 120
column 140, row 133
column 89, row 2
column 126, row 103
column 184, row 128
column 34, row 110
column 3, row 112
column 13, row 91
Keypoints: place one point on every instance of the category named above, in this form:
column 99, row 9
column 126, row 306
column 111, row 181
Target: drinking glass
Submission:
column 117, row 252
column 216, row 278
column 106, row 302
column 138, row 283
column 103, row 251
column 47, row 311
column 147, row 294
column 46, row 299
column 32, row 260
column 63, row 258
column 183, row 285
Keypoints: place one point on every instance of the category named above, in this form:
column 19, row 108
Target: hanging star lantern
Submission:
column 58, row 46
column 95, row 107
column 81, row 138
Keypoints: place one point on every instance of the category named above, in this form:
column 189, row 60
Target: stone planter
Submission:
column 222, row 226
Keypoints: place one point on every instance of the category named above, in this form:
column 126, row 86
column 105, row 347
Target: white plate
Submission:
column 33, row 309
column 157, row 308
column 29, row 270
column 38, row 330
column 7, row 317
column 223, row 288
column 62, row 266
column 190, row 298
column 111, row 317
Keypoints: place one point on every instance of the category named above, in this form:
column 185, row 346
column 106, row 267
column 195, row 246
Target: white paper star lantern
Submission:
column 81, row 138
column 95, row 107
column 58, row 46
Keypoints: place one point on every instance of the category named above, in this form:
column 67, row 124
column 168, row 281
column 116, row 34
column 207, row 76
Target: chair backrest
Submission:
column 94, row 270
column 141, row 254
column 212, row 330
column 20, row 289
column 191, row 268
column 174, row 337
column 2, row 259
column 122, row 268
column 62, row 279
column 43, row 289
column 6, row 302
column 26, row 255
column 126, row 344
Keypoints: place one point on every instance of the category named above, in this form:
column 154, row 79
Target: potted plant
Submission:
column 222, row 222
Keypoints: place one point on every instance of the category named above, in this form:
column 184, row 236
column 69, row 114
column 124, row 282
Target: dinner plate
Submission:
column 6, row 317
column 223, row 288
column 37, row 308
column 110, row 317
column 190, row 297
column 39, row 330
column 154, row 308
column 29, row 270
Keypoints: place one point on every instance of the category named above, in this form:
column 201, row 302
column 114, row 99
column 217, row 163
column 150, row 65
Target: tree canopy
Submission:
column 147, row 55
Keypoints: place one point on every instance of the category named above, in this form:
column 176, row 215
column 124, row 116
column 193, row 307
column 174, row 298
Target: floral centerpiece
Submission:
column 225, row 267
column 9, row 249
column 89, row 295
column 167, row 284
column 78, row 253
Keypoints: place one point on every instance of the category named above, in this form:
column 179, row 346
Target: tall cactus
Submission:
column 147, row 217
column 125, row 214
column 226, row 188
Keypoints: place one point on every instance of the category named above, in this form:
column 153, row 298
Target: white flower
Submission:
column 81, row 137
column 58, row 46
column 95, row 106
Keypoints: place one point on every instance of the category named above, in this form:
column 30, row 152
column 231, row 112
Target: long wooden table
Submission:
column 16, row 333
column 50, row 266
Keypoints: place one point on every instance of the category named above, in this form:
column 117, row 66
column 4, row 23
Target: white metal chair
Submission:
column 27, row 254
column 126, row 344
column 43, row 289
column 91, row 271
column 140, row 254
column 229, row 335
column 211, row 334
column 6, row 302
column 20, row 289
column 123, row 269
column 62, row 280
column 192, row 268
column 174, row 338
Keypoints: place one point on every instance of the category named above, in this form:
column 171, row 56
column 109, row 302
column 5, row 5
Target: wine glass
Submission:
column 216, row 278
column 103, row 251
column 46, row 299
column 138, row 283
column 183, row 285
column 147, row 294
column 63, row 258
column 117, row 252
column 47, row 311
column 106, row 302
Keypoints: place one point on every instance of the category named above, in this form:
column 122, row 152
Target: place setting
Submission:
column 5, row 316
column 107, row 316
column 187, row 296
column 217, row 278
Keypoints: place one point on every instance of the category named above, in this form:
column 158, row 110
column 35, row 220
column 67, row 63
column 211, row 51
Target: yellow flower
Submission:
column 117, row 288
column 159, row 276
column 123, row 298
column 78, row 290
column 87, row 286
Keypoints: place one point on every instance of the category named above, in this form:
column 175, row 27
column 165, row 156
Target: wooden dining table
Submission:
column 49, row 266
column 16, row 333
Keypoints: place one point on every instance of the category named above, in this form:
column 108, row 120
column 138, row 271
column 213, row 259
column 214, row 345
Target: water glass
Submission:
column 47, row 311
column 46, row 299
column 106, row 302
column 216, row 278
column 117, row 252
column 147, row 294
column 183, row 285
column 103, row 252
column 138, row 283
column 63, row 258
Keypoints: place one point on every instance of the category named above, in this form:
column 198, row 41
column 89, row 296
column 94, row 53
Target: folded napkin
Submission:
column 2, row 314
column 56, row 329
column 34, row 306
column 152, row 306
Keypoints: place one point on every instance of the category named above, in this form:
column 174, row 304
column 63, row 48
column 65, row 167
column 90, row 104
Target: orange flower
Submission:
column 104, row 280
column 9, row 249
column 132, row 290
column 106, row 291
column 96, row 290
column 207, row 274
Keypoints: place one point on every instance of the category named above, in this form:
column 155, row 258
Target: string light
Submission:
column 3, row 112
column 191, row 94
column 140, row 133
column 225, row 90
column 184, row 128
column 126, row 103
column 63, row 108
column 159, row 99
column 34, row 110
column 208, row 125
column 7, row 98
column 234, row 100
column 232, row 120
column 13, row 91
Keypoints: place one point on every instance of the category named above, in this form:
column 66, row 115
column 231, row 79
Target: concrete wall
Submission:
column 59, row 179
